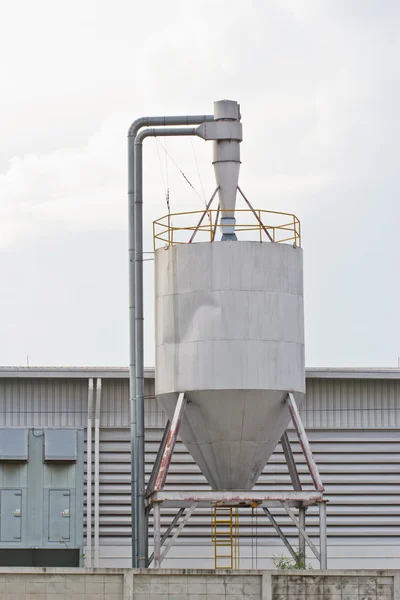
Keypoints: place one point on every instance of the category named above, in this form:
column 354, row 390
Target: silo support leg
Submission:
column 170, row 443
column 157, row 462
column 290, row 461
column 305, row 444
column 302, row 523
column 157, row 535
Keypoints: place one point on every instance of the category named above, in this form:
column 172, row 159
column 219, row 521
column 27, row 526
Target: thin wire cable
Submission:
column 165, row 184
column 167, row 177
column 166, row 162
column 161, row 169
column 179, row 169
column 198, row 170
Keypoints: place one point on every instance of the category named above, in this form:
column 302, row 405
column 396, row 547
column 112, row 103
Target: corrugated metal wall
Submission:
column 359, row 403
column 360, row 470
column 43, row 402
column 330, row 403
column 354, row 431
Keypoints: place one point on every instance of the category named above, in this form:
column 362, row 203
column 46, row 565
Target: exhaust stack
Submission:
column 226, row 131
column 226, row 168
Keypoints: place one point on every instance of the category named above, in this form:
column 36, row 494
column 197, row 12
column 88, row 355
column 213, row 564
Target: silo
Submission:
column 229, row 333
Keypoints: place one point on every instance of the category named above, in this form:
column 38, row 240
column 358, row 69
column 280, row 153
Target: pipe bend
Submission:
column 165, row 121
column 136, row 125
column 169, row 131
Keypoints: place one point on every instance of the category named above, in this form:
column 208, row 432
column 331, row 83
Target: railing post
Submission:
column 294, row 230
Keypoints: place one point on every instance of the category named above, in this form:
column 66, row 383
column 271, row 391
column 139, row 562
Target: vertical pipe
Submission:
column 132, row 365
column 157, row 534
column 97, row 474
column 302, row 523
column 136, row 367
column 142, row 551
column 323, row 549
column 89, row 477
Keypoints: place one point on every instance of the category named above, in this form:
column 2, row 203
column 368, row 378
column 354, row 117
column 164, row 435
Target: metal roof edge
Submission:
column 149, row 372
column 70, row 372
column 353, row 373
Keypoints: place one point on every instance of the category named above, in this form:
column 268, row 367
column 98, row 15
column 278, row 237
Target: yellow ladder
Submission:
column 225, row 536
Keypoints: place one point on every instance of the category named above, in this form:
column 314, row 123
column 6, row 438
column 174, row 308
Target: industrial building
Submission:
column 352, row 418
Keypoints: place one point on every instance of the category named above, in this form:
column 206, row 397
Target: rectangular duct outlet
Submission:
column 14, row 445
column 60, row 445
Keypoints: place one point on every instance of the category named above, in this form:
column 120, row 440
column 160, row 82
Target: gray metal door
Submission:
column 59, row 515
column 10, row 515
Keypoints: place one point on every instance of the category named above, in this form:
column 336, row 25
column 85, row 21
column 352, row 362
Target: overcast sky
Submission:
column 319, row 88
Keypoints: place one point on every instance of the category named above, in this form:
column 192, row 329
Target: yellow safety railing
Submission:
column 204, row 226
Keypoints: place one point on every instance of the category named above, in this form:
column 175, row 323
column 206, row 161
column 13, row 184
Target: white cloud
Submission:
column 319, row 87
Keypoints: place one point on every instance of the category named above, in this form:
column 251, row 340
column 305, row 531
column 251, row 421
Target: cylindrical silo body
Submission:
column 230, row 334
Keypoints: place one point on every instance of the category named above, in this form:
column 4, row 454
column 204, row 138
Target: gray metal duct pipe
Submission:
column 142, row 549
column 137, row 466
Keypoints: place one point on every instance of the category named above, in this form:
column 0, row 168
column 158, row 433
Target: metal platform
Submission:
column 174, row 499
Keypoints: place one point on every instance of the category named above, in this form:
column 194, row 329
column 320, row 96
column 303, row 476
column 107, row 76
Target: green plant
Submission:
column 287, row 563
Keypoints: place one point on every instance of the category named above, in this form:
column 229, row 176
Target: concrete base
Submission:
column 193, row 584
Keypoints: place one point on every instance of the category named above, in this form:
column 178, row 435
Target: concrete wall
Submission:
column 61, row 584
column 113, row 584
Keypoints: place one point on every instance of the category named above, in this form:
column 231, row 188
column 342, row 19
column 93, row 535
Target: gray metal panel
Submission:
column 14, row 444
column 351, row 403
column 48, row 489
column 43, row 402
column 60, row 445
column 10, row 515
column 115, row 404
column 59, row 515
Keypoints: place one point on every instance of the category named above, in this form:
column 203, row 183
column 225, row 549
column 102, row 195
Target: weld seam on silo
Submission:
column 135, row 465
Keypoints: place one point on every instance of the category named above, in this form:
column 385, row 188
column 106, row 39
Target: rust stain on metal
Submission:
column 170, row 444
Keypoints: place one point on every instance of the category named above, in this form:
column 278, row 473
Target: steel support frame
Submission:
column 305, row 444
column 299, row 498
column 159, row 554
column 167, row 532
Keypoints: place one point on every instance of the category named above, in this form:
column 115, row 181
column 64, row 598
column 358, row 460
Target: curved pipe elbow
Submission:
column 165, row 121
column 136, row 125
column 155, row 132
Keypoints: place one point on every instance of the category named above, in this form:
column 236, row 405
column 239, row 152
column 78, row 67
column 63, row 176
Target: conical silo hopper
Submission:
column 230, row 334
